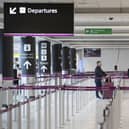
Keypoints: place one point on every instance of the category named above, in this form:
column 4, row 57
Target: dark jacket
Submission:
column 99, row 73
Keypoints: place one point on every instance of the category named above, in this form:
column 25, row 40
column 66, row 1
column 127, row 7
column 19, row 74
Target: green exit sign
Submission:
column 98, row 31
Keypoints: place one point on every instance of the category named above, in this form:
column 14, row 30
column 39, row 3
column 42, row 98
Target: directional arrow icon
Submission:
column 12, row 10
column 27, row 64
column 44, row 68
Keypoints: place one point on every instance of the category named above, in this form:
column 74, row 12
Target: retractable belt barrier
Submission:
column 45, row 80
column 66, row 87
column 23, row 103
column 85, row 88
column 84, row 77
column 115, row 74
column 63, row 95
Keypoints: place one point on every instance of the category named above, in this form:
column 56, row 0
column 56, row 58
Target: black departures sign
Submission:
column 39, row 18
column 44, row 57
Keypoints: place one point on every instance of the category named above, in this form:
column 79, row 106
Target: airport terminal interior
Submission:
column 64, row 64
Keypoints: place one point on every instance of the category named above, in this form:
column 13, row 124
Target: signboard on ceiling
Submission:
column 27, row 56
column 39, row 18
column 56, row 58
column 98, row 31
column 44, row 57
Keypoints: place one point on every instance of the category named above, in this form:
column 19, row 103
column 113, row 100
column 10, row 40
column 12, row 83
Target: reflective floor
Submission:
column 124, row 120
column 82, row 112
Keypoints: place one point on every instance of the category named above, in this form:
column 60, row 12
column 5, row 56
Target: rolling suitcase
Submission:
column 108, row 94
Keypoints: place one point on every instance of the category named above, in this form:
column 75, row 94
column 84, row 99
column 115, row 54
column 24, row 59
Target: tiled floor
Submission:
column 124, row 120
column 88, row 118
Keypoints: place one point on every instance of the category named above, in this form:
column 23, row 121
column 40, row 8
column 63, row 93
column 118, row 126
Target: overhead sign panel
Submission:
column 39, row 18
column 98, row 31
column 56, row 58
column 28, row 56
column 44, row 57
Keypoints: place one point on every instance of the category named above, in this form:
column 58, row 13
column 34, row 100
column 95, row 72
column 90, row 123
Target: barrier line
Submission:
column 61, row 87
column 66, row 87
column 76, row 77
column 85, row 74
column 89, row 77
column 11, row 107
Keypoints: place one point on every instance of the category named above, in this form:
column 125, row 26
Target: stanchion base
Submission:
column 32, row 97
column 73, row 115
column 4, row 106
column 61, row 127
column 68, row 120
column 63, row 124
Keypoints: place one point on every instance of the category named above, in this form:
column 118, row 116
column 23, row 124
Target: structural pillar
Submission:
column 1, row 42
column 65, row 60
column 7, row 69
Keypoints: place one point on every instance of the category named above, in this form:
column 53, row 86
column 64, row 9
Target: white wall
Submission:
column 109, row 58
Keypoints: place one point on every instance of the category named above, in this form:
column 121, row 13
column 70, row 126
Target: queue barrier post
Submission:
column 19, row 120
column 60, row 103
column 77, row 101
column 28, row 114
column 39, row 103
column 63, row 107
column 0, row 108
column 56, row 103
column 84, row 99
column 24, row 107
column 64, row 112
column 49, row 109
column 0, row 98
column 46, row 111
column 15, row 101
column 80, row 96
column 1, row 121
column 68, row 117
column 9, row 117
column 72, row 103
column 9, row 97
